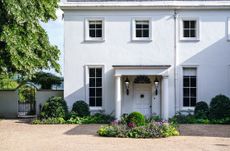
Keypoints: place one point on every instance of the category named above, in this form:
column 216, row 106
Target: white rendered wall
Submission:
column 211, row 54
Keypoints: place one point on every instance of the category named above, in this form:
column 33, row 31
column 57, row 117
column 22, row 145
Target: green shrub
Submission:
column 54, row 107
column 136, row 118
column 201, row 110
column 81, row 108
column 108, row 131
column 219, row 107
column 98, row 118
column 183, row 119
column 169, row 130
column 59, row 120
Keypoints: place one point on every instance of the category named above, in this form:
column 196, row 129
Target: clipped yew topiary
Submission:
column 135, row 118
column 81, row 108
column 219, row 107
column 201, row 110
column 54, row 107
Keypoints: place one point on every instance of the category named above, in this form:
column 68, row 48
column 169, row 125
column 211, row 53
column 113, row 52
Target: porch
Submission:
column 142, row 88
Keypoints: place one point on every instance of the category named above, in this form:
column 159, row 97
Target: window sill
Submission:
column 95, row 108
column 141, row 40
column 189, row 39
column 94, row 40
column 188, row 108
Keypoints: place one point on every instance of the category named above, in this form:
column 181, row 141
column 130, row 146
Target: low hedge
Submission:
column 74, row 119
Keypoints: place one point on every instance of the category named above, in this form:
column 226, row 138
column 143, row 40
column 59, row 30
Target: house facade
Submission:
column 154, row 57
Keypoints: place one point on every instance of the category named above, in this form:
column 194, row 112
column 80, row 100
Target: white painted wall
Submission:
column 43, row 95
column 8, row 104
column 211, row 54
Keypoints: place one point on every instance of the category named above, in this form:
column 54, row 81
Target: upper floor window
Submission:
column 189, row 87
column 94, row 30
column 141, row 29
column 190, row 29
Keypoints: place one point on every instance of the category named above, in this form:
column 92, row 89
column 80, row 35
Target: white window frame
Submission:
column 182, row 86
column 181, row 26
column 134, row 38
column 87, row 37
column 228, row 29
column 86, row 83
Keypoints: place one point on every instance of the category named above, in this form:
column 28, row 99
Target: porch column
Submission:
column 118, row 97
column 165, row 97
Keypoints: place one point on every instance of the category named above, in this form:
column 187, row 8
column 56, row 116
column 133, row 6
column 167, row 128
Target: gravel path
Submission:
column 20, row 136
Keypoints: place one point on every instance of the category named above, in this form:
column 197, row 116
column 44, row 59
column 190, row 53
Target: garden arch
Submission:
column 26, row 99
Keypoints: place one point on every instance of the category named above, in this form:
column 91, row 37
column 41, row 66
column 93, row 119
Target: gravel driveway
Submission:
column 16, row 135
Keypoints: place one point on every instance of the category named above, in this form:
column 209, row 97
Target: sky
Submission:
column 55, row 31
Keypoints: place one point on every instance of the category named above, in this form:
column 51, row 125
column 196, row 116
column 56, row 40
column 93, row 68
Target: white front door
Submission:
column 143, row 98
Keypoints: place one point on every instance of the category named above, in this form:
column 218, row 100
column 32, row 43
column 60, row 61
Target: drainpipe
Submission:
column 175, row 59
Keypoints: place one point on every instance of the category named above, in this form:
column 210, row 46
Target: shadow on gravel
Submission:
column 89, row 129
column 205, row 130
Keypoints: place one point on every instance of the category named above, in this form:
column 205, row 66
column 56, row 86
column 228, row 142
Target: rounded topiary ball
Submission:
column 219, row 107
column 136, row 118
column 81, row 108
column 201, row 110
column 54, row 107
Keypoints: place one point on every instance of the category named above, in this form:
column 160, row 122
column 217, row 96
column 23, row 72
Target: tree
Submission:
column 24, row 44
column 46, row 80
column 8, row 82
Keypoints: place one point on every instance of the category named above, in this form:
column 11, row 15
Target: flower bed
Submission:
column 150, row 129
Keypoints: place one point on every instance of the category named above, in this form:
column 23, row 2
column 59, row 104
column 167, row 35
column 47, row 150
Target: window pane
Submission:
column 193, row 92
column 186, row 102
column 98, row 92
column 98, row 101
column 92, row 101
column 99, row 82
column 138, row 33
column 193, row 81
column 186, row 92
column 186, row 81
column 92, row 33
column 186, row 33
column 99, row 26
column 92, row 26
column 91, row 92
column 192, row 33
column 98, row 33
column 92, row 82
column 138, row 26
column 192, row 24
column 146, row 33
column 99, row 72
column 186, row 24
column 193, row 102
column 92, row 72
column 146, row 26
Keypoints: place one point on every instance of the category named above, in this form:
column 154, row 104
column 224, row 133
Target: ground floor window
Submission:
column 95, row 87
column 189, row 87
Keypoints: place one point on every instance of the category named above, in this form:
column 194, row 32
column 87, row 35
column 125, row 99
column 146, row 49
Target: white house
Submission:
column 152, row 56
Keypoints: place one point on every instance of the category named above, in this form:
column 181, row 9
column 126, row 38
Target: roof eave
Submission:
column 147, row 5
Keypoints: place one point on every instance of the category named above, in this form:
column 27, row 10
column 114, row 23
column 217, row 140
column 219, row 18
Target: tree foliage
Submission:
column 7, row 82
column 46, row 80
column 24, row 44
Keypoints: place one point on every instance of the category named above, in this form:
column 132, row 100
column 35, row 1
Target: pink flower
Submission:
column 131, row 125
